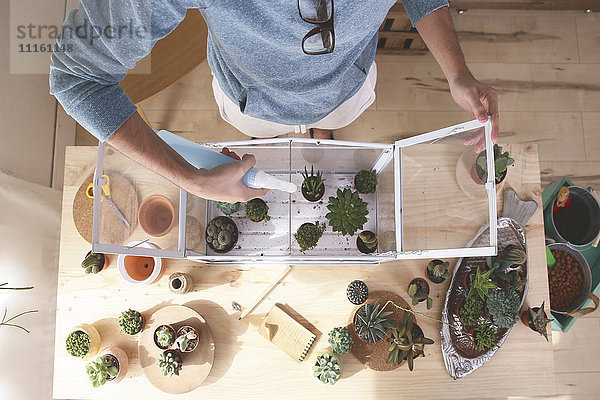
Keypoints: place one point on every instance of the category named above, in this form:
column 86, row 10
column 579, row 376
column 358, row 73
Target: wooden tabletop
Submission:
column 248, row 366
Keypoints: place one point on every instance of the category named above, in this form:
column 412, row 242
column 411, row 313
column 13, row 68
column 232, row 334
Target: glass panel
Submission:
column 318, row 42
column 386, row 219
column 195, row 224
column 148, row 202
column 339, row 165
column 444, row 203
column 315, row 10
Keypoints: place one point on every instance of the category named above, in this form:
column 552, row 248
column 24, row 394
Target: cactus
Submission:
column 93, row 262
column 357, row 292
column 221, row 234
column 102, row 369
column 164, row 336
column 257, row 210
column 340, row 340
column 418, row 293
column 503, row 307
column 78, row 344
column 308, row 235
column 170, row 362
column 347, row 212
column 228, row 208
column 327, row 367
column 470, row 310
column 484, row 336
column 365, row 181
column 514, row 254
column 437, row 270
column 370, row 323
column 313, row 185
column 131, row 322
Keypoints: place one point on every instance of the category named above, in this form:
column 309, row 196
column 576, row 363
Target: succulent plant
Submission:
column 78, row 344
column 484, row 336
column 403, row 343
column 221, row 234
column 101, row 370
column 365, row 181
column 313, row 185
column 327, row 367
column 308, row 235
column 340, row 340
column 131, row 322
column 417, row 292
column 516, row 281
column 165, row 336
column 369, row 239
column 257, row 210
column 93, row 262
column 357, row 292
column 347, row 212
column 184, row 339
column 501, row 161
column 503, row 307
column 228, row 208
column 482, row 284
column 471, row 309
column 514, row 254
column 437, row 270
column 537, row 319
column 370, row 323
column 170, row 362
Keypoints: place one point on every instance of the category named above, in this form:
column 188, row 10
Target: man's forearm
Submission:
column 437, row 31
column 139, row 142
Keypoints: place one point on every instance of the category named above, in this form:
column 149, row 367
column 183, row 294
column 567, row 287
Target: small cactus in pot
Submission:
column 170, row 362
column 221, row 234
column 418, row 290
column 313, row 187
column 365, row 181
column 131, row 322
column 327, row 367
column 83, row 342
column 308, row 235
column 94, row 262
column 371, row 322
column 357, row 292
column 536, row 319
column 257, row 210
column 103, row 369
column 366, row 242
column 437, row 271
column 340, row 340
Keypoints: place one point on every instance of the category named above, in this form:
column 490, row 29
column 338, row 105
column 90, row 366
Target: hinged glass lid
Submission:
column 444, row 195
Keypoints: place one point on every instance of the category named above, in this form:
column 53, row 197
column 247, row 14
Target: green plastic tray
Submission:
column 592, row 255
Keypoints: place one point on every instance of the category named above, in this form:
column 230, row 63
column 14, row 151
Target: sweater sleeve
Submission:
column 100, row 41
column 418, row 9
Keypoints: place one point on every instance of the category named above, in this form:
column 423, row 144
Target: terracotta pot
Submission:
column 185, row 329
column 156, row 341
column 319, row 195
column 122, row 360
column 140, row 270
column 156, row 215
column 95, row 340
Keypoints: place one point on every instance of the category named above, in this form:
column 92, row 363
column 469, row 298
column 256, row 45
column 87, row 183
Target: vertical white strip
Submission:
column 97, row 189
column 491, row 184
column 182, row 221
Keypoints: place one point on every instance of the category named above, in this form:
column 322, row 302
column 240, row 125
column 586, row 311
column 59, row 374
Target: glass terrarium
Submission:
column 430, row 200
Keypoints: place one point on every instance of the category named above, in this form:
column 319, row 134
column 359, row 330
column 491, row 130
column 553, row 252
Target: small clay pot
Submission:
column 360, row 245
column 156, row 340
column 119, row 357
column 525, row 317
column 313, row 198
column 156, row 215
column 431, row 277
column 192, row 344
column 180, row 283
column 422, row 286
column 480, row 176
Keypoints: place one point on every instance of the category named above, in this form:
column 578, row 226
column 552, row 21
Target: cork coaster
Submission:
column 112, row 230
column 374, row 355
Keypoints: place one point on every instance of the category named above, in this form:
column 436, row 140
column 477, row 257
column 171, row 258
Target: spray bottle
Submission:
column 203, row 157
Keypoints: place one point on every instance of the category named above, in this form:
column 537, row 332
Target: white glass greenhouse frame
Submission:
column 390, row 155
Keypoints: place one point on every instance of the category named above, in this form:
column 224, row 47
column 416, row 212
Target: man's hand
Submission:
column 479, row 99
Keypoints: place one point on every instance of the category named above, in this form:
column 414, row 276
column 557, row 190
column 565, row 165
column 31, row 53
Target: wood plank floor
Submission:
column 546, row 66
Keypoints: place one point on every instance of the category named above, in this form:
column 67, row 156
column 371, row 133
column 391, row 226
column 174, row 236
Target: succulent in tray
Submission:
column 94, row 262
column 347, row 212
column 308, row 235
column 371, row 322
column 503, row 307
column 170, row 362
column 537, row 320
column 437, row 271
column 221, row 234
column 482, row 284
column 418, row 290
column 313, row 186
column 484, row 336
column 365, row 181
column 131, row 322
column 164, row 336
column 471, row 309
column 340, row 340
column 502, row 161
column 257, row 210
column 514, row 254
column 228, row 208
column 78, row 344
column 357, row 292
column 407, row 342
column 327, row 367
column 102, row 369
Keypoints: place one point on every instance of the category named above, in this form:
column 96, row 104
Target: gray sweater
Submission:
column 254, row 50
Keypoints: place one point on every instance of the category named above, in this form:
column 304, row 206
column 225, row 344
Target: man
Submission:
column 278, row 66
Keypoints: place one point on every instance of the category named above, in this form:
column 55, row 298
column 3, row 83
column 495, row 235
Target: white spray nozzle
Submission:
column 266, row 181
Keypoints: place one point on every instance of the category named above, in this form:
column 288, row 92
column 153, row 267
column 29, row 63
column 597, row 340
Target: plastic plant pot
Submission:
column 156, row 215
column 311, row 198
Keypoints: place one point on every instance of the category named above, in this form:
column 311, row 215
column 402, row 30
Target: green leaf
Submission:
column 429, row 303
column 412, row 290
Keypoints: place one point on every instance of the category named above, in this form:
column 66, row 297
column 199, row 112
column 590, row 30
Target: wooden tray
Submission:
column 196, row 365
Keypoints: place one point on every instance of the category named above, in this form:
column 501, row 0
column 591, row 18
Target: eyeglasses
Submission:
column 321, row 39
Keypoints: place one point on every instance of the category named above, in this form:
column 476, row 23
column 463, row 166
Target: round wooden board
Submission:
column 196, row 365
column 112, row 230
column 374, row 355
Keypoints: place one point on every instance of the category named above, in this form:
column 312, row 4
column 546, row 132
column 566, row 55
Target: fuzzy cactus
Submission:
column 170, row 363
column 257, row 210
column 308, row 235
column 78, row 344
column 514, row 254
column 93, row 262
column 365, row 181
column 340, row 340
column 131, row 322
column 327, row 367
column 221, row 234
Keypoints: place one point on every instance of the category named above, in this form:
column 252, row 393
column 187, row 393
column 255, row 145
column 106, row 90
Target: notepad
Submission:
column 286, row 333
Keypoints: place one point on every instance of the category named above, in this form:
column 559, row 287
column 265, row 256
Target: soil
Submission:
column 565, row 280
column 374, row 355
column 191, row 344
column 313, row 198
column 156, row 341
column 362, row 247
column 114, row 362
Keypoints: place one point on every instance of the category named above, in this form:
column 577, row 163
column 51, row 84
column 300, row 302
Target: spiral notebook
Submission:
column 285, row 332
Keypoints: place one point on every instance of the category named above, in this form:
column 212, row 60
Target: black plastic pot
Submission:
column 310, row 198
